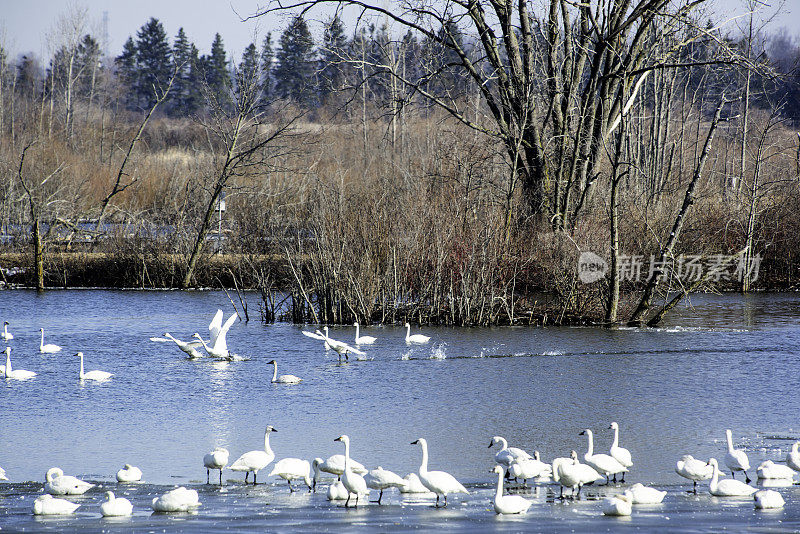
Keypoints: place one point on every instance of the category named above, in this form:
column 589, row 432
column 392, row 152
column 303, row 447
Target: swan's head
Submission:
column 420, row 441
column 196, row 335
column 110, row 495
column 53, row 472
column 271, row 362
column 344, row 438
column 270, row 428
column 79, row 354
column 5, row 323
column 536, row 455
column 407, row 325
column 795, row 446
column 573, row 455
column 712, row 462
column 498, row 469
column 127, row 466
column 585, row 432
column 627, row 496
column 41, row 330
column 614, row 426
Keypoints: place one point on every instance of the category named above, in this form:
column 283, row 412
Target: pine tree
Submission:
column 127, row 72
column 88, row 66
column 215, row 71
column 294, row 73
column 182, row 98
column 154, row 63
column 267, row 58
column 332, row 67
column 248, row 75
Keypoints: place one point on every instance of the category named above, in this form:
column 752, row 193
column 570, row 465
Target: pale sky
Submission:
column 25, row 23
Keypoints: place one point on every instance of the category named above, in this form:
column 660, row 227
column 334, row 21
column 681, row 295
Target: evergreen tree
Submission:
column 28, row 76
column 88, row 66
column 215, row 71
column 184, row 96
column 154, row 63
column 294, row 72
column 127, row 70
column 248, row 75
column 267, row 58
column 332, row 67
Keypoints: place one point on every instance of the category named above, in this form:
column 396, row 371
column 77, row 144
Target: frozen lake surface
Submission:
column 725, row 362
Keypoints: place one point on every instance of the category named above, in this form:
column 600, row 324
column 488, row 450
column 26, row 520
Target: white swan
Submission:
column 526, row 468
column 363, row 340
column 57, row 483
column 283, row 379
column 547, row 469
column 190, row 348
column 293, row 469
column 92, row 375
column 770, row 470
column 115, row 506
column 506, row 455
column 567, row 473
column 438, row 482
column 736, row 459
column 216, row 459
column 416, row 338
column 353, row 482
column 49, row 505
column 341, row 348
column 6, row 335
column 646, row 495
column 49, row 348
column 216, row 351
column 618, row 505
column 604, row 464
column 793, row 457
column 620, row 454
column 3, row 474
column 693, row 469
column 15, row 374
column 254, row 461
column 335, row 465
column 382, row 479
column 177, row 500
column 508, row 504
column 337, row 492
column 129, row 473
column 414, row 485
column 217, row 329
column 728, row 487
column 765, row 499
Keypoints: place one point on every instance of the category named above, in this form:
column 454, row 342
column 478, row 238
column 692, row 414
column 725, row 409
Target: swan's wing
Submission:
column 215, row 326
column 221, row 343
column 312, row 335
column 159, row 339
column 351, row 349
column 229, row 323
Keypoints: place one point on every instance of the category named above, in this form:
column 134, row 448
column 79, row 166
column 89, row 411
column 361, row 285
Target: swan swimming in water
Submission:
column 49, row 505
column 253, row 461
column 15, row 374
column 177, row 500
column 115, row 506
column 129, row 473
column 48, row 348
column 439, row 482
column 283, row 379
column 728, row 487
column 736, row 459
column 416, row 338
column 57, row 483
column 363, row 340
column 6, row 335
column 353, row 482
column 216, row 459
column 92, row 375
column 293, row 469
column 620, row 454
column 190, row 348
column 508, row 504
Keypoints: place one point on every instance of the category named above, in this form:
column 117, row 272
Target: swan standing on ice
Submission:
column 335, row 466
column 506, row 455
column 115, row 506
column 413, row 484
column 693, row 469
column 353, row 482
column 57, row 483
column 728, row 487
column 129, row 473
column 508, row 504
column 736, row 459
column 618, row 505
column 216, row 459
column 49, row 348
column 765, row 499
column 15, row 374
column 526, row 468
column 793, row 458
column 770, row 470
column 92, row 375
column 363, row 340
column 416, row 338
column 177, row 500
column 49, row 505
column 567, row 473
column 190, row 348
column 6, row 335
column 293, row 469
column 620, row 454
column 604, row 464
column 645, row 495
column 438, row 482
column 283, row 379
column 381, row 479
column 253, row 461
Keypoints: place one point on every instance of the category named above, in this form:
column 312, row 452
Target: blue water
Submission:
column 724, row 362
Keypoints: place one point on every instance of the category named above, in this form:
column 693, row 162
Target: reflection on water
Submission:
column 721, row 362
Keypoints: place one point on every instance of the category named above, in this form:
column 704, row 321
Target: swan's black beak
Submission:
column 490, row 444
column 583, row 432
column 415, row 442
column 338, row 439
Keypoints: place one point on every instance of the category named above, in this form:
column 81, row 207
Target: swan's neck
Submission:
column 357, row 332
column 5, row 329
column 274, row 372
column 590, row 452
column 8, row 362
column 499, row 485
column 616, row 439
column 81, row 366
column 504, row 444
column 730, row 441
column 266, row 443
column 423, row 468
column 41, row 343
column 794, row 447
column 714, row 476
column 408, row 331
column 346, row 456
